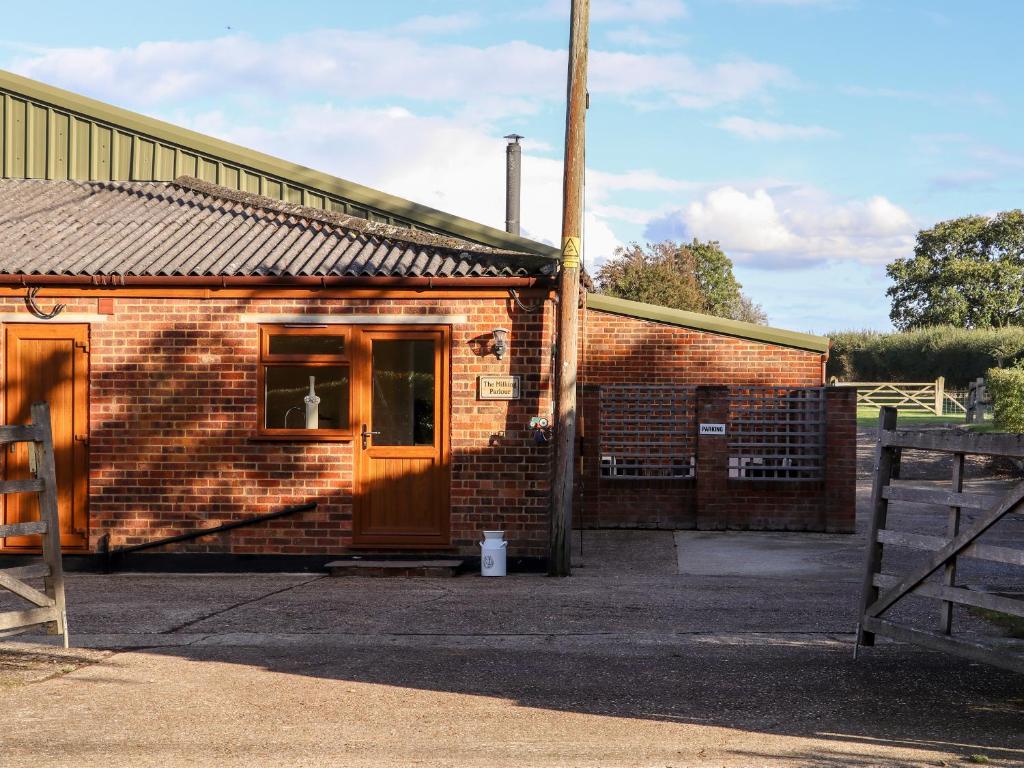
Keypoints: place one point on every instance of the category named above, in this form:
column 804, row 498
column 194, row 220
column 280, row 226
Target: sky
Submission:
column 811, row 138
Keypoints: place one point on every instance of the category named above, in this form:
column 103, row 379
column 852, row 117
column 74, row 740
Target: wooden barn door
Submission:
column 49, row 362
column 402, row 481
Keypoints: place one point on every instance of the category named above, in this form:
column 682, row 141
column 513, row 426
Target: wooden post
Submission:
column 940, row 394
column 53, row 582
column 952, row 528
column 879, row 512
column 559, row 562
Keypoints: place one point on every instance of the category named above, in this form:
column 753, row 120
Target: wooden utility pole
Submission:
column 559, row 557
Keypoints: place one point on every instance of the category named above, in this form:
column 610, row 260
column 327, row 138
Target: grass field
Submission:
column 868, row 417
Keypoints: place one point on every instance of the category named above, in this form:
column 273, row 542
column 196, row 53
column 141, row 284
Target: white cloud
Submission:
column 751, row 222
column 794, row 226
column 764, row 130
column 459, row 167
column 442, row 162
column 637, row 10
column 599, row 241
column 678, row 80
column 638, row 37
column 387, row 64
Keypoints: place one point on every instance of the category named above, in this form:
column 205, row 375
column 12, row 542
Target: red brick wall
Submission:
column 624, row 503
column 616, row 349
column 713, row 500
column 173, row 417
column 623, row 350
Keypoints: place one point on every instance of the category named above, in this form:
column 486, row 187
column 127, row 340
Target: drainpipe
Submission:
column 513, row 179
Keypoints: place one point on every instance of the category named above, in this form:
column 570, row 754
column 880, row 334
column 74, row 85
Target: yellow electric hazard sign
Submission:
column 571, row 252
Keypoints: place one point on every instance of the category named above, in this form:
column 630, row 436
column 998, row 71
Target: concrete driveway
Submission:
column 662, row 650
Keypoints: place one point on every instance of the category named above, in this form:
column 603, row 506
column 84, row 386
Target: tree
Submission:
column 656, row 273
column 696, row 276
column 967, row 272
column 748, row 311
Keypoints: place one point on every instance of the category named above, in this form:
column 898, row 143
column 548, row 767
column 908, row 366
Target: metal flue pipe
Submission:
column 513, row 182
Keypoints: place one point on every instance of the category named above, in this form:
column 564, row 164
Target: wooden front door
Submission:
column 402, row 480
column 49, row 362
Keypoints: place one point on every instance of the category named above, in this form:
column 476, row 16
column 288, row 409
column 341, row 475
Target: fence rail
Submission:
column 934, row 573
column 928, row 397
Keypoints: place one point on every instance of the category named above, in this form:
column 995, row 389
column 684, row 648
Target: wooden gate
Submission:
column 934, row 575
column 49, row 603
column 928, row 397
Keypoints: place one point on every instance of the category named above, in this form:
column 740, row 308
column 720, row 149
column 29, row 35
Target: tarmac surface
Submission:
column 664, row 649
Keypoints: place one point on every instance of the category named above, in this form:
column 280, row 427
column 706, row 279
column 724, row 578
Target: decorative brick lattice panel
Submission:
column 776, row 433
column 647, row 432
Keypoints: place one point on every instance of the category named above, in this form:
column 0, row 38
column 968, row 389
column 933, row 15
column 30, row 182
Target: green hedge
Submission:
column 1007, row 388
column 960, row 355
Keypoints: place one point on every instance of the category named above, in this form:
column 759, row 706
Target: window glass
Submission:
column 306, row 344
column 403, row 392
column 287, row 390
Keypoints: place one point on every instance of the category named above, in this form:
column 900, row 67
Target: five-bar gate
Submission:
column 48, row 604
column 933, row 573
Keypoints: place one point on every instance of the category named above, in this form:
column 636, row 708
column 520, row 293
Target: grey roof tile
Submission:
column 187, row 227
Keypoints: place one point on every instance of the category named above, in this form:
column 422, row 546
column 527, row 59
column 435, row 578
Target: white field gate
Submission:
column 943, row 544
column 48, row 604
column 924, row 397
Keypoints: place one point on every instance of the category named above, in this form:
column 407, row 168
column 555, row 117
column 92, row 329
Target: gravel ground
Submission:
column 663, row 650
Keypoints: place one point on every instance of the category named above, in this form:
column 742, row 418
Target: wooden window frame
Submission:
column 267, row 359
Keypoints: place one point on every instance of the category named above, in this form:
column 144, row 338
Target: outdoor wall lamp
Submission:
column 500, row 342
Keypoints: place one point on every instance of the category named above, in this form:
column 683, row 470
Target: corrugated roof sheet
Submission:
column 108, row 143
column 188, row 227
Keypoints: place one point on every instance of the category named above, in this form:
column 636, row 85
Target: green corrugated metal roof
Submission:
column 700, row 322
column 50, row 133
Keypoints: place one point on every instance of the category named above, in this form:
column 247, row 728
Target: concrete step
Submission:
column 402, row 569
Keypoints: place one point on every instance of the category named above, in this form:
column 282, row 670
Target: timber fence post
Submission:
column 952, row 529
column 53, row 582
column 884, row 458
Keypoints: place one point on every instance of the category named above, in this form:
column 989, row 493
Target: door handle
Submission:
column 366, row 434
column 82, row 439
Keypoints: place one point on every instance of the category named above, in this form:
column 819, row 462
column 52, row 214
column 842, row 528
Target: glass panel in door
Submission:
column 403, row 392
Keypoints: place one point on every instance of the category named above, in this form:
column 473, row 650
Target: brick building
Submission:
column 651, row 375
column 241, row 335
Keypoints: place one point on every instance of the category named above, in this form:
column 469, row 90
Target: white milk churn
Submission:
column 492, row 553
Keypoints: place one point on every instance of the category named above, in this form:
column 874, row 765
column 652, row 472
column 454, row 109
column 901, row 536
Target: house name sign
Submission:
column 712, row 429
column 498, row 387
